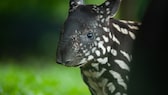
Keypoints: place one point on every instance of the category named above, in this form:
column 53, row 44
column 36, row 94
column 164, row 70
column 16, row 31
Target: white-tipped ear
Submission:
column 109, row 7
column 74, row 4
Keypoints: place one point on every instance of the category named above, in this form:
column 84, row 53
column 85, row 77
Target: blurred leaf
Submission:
column 44, row 80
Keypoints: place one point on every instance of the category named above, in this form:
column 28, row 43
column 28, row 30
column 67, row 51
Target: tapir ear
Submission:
column 73, row 4
column 109, row 7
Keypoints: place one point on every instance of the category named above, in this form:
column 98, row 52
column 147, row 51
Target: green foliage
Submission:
column 40, row 80
column 57, row 8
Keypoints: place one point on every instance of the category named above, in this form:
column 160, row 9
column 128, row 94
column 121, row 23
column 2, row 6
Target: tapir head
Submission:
column 81, row 31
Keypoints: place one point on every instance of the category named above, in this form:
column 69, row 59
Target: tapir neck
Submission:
column 105, row 81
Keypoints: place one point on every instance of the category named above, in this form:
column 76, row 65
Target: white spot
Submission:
column 107, row 9
column 72, row 3
column 106, row 29
column 107, row 20
column 102, row 20
column 107, row 3
column 95, row 24
column 122, row 64
column 100, row 45
column 124, row 94
column 101, row 16
column 127, row 77
column 116, row 26
column 80, row 44
column 84, row 46
column 103, row 60
column 126, row 55
column 117, row 76
column 108, row 12
column 106, row 39
column 93, row 49
column 118, row 93
column 116, row 40
column 95, row 43
column 83, row 61
column 97, row 52
column 133, row 27
column 98, row 38
column 108, row 48
column 124, row 31
column 90, row 57
column 80, row 2
column 109, row 64
column 114, row 52
column 88, row 53
column 101, row 12
column 100, row 25
column 84, row 51
column 95, row 65
column 132, row 35
column 111, row 87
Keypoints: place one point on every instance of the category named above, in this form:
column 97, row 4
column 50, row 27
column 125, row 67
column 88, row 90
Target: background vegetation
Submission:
column 28, row 38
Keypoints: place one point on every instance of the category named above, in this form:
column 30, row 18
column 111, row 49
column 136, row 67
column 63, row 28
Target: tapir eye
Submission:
column 90, row 35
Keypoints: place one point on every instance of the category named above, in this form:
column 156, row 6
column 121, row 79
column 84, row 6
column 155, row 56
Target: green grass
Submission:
column 37, row 78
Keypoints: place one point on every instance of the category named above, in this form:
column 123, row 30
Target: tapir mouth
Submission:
column 75, row 62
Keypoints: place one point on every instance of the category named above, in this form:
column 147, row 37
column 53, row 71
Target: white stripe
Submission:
column 124, row 31
column 116, row 40
column 106, row 29
column 126, row 55
column 133, row 27
column 132, row 35
column 119, row 78
column 122, row 64
column 116, row 26
column 131, row 22
column 110, row 35
column 106, row 39
column 123, row 21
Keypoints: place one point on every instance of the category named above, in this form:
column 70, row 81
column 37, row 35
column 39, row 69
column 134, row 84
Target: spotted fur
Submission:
column 99, row 44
